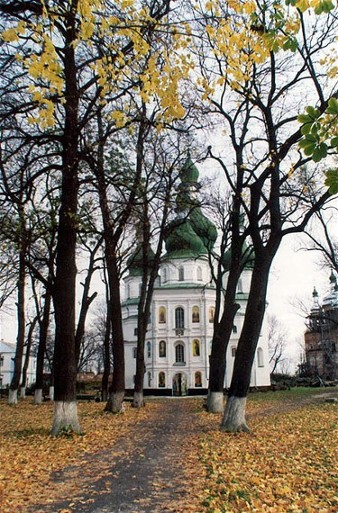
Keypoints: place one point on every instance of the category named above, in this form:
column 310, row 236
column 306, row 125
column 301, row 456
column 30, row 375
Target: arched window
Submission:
column 162, row 349
column 198, row 379
column 179, row 318
column 199, row 273
column 149, row 379
column 162, row 315
column 196, row 347
column 211, row 314
column 179, row 353
column 195, row 314
column 161, row 379
column 148, row 350
column 164, row 275
column 128, row 291
column 181, row 273
column 260, row 359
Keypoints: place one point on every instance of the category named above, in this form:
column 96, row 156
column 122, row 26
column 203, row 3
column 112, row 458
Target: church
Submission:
column 321, row 336
column 180, row 328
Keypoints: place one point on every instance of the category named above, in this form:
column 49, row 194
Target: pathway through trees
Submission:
column 142, row 473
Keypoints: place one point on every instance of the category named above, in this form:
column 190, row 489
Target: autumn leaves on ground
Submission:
column 288, row 463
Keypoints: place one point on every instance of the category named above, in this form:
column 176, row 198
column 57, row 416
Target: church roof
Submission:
column 191, row 233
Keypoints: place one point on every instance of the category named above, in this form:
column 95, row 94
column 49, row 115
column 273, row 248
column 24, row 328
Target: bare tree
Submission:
column 277, row 342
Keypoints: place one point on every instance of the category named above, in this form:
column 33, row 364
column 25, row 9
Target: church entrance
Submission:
column 179, row 384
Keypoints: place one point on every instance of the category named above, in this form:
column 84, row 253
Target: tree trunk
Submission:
column 27, row 357
column 234, row 415
column 15, row 382
column 65, row 410
column 86, row 301
column 114, row 403
column 215, row 402
column 38, row 396
column 106, row 349
column 40, row 359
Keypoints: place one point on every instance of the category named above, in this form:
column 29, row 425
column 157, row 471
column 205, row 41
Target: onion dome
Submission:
column 331, row 298
column 248, row 258
column 136, row 261
column 189, row 173
column 315, row 305
column 204, row 228
column 191, row 234
column 183, row 241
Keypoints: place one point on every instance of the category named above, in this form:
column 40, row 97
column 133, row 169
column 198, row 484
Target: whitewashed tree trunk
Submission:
column 12, row 396
column 38, row 398
column 51, row 393
column 115, row 402
column 234, row 415
column 23, row 392
column 215, row 402
column 65, row 418
column 138, row 400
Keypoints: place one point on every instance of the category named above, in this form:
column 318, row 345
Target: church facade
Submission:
column 180, row 327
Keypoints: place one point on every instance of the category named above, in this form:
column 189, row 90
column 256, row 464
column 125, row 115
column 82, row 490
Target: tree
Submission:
column 253, row 57
column 277, row 340
column 151, row 219
column 50, row 46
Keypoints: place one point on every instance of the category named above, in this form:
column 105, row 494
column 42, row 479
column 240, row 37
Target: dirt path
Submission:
column 152, row 468
column 142, row 473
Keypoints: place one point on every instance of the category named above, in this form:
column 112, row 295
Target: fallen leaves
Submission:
column 289, row 464
column 29, row 455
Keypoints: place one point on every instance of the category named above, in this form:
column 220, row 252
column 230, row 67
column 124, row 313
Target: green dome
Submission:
column 189, row 172
column 204, row 228
column 135, row 262
column 248, row 258
column 183, row 241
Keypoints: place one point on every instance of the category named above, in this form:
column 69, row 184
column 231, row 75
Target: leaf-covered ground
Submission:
column 287, row 464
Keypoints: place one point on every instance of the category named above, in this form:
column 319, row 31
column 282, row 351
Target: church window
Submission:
column 128, row 291
column 260, row 359
column 162, row 315
column 148, row 350
column 162, row 349
column 195, row 314
column 164, row 275
column 161, row 379
column 181, row 273
column 179, row 318
column 233, row 352
column 211, row 314
column 199, row 273
column 198, row 379
column 149, row 379
column 179, row 353
column 196, row 348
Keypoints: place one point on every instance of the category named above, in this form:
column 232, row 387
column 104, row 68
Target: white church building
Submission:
column 180, row 328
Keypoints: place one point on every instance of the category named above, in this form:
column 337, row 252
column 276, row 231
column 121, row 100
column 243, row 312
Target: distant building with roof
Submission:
column 321, row 337
column 180, row 327
column 7, row 354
